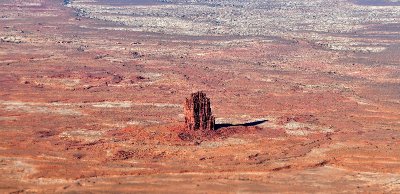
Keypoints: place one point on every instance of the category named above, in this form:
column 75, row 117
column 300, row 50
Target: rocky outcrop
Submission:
column 198, row 115
column 11, row 39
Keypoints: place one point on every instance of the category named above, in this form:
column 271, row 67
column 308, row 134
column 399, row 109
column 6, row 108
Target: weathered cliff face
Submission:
column 198, row 115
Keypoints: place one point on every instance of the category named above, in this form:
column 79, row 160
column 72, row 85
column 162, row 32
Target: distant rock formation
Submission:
column 198, row 115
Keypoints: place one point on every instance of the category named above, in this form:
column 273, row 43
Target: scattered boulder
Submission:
column 116, row 79
column 136, row 54
column 82, row 48
column 11, row 39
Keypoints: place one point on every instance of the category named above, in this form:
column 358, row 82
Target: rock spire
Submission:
column 198, row 115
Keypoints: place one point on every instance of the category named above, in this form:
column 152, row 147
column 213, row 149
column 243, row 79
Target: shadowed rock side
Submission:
column 198, row 115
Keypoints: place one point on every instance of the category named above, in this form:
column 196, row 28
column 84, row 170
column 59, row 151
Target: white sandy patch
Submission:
column 161, row 105
column 360, row 101
column 221, row 120
column 8, row 118
column 128, row 104
column 82, row 135
column 304, row 129
column 151, row 75
column 51, row 81
column 115, row 125
column 59, row 107
column 31, row 107
column 226, row 142
column 298, row 132
column 51, row 157
column 16, row 168
column 142, row 122
column 48, row 181
column 125, row 104
column 295, row 125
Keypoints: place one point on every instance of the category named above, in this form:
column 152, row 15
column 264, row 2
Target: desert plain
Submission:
column 306, row 96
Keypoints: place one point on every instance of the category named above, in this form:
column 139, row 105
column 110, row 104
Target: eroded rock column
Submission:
column 198, row 115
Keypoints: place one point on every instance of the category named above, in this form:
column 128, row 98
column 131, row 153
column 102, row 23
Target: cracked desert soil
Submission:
column 87, row 106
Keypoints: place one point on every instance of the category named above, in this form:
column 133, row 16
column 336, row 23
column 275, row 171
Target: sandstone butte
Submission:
column 198, row 115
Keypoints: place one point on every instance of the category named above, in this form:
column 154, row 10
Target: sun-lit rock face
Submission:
column 198, row 115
